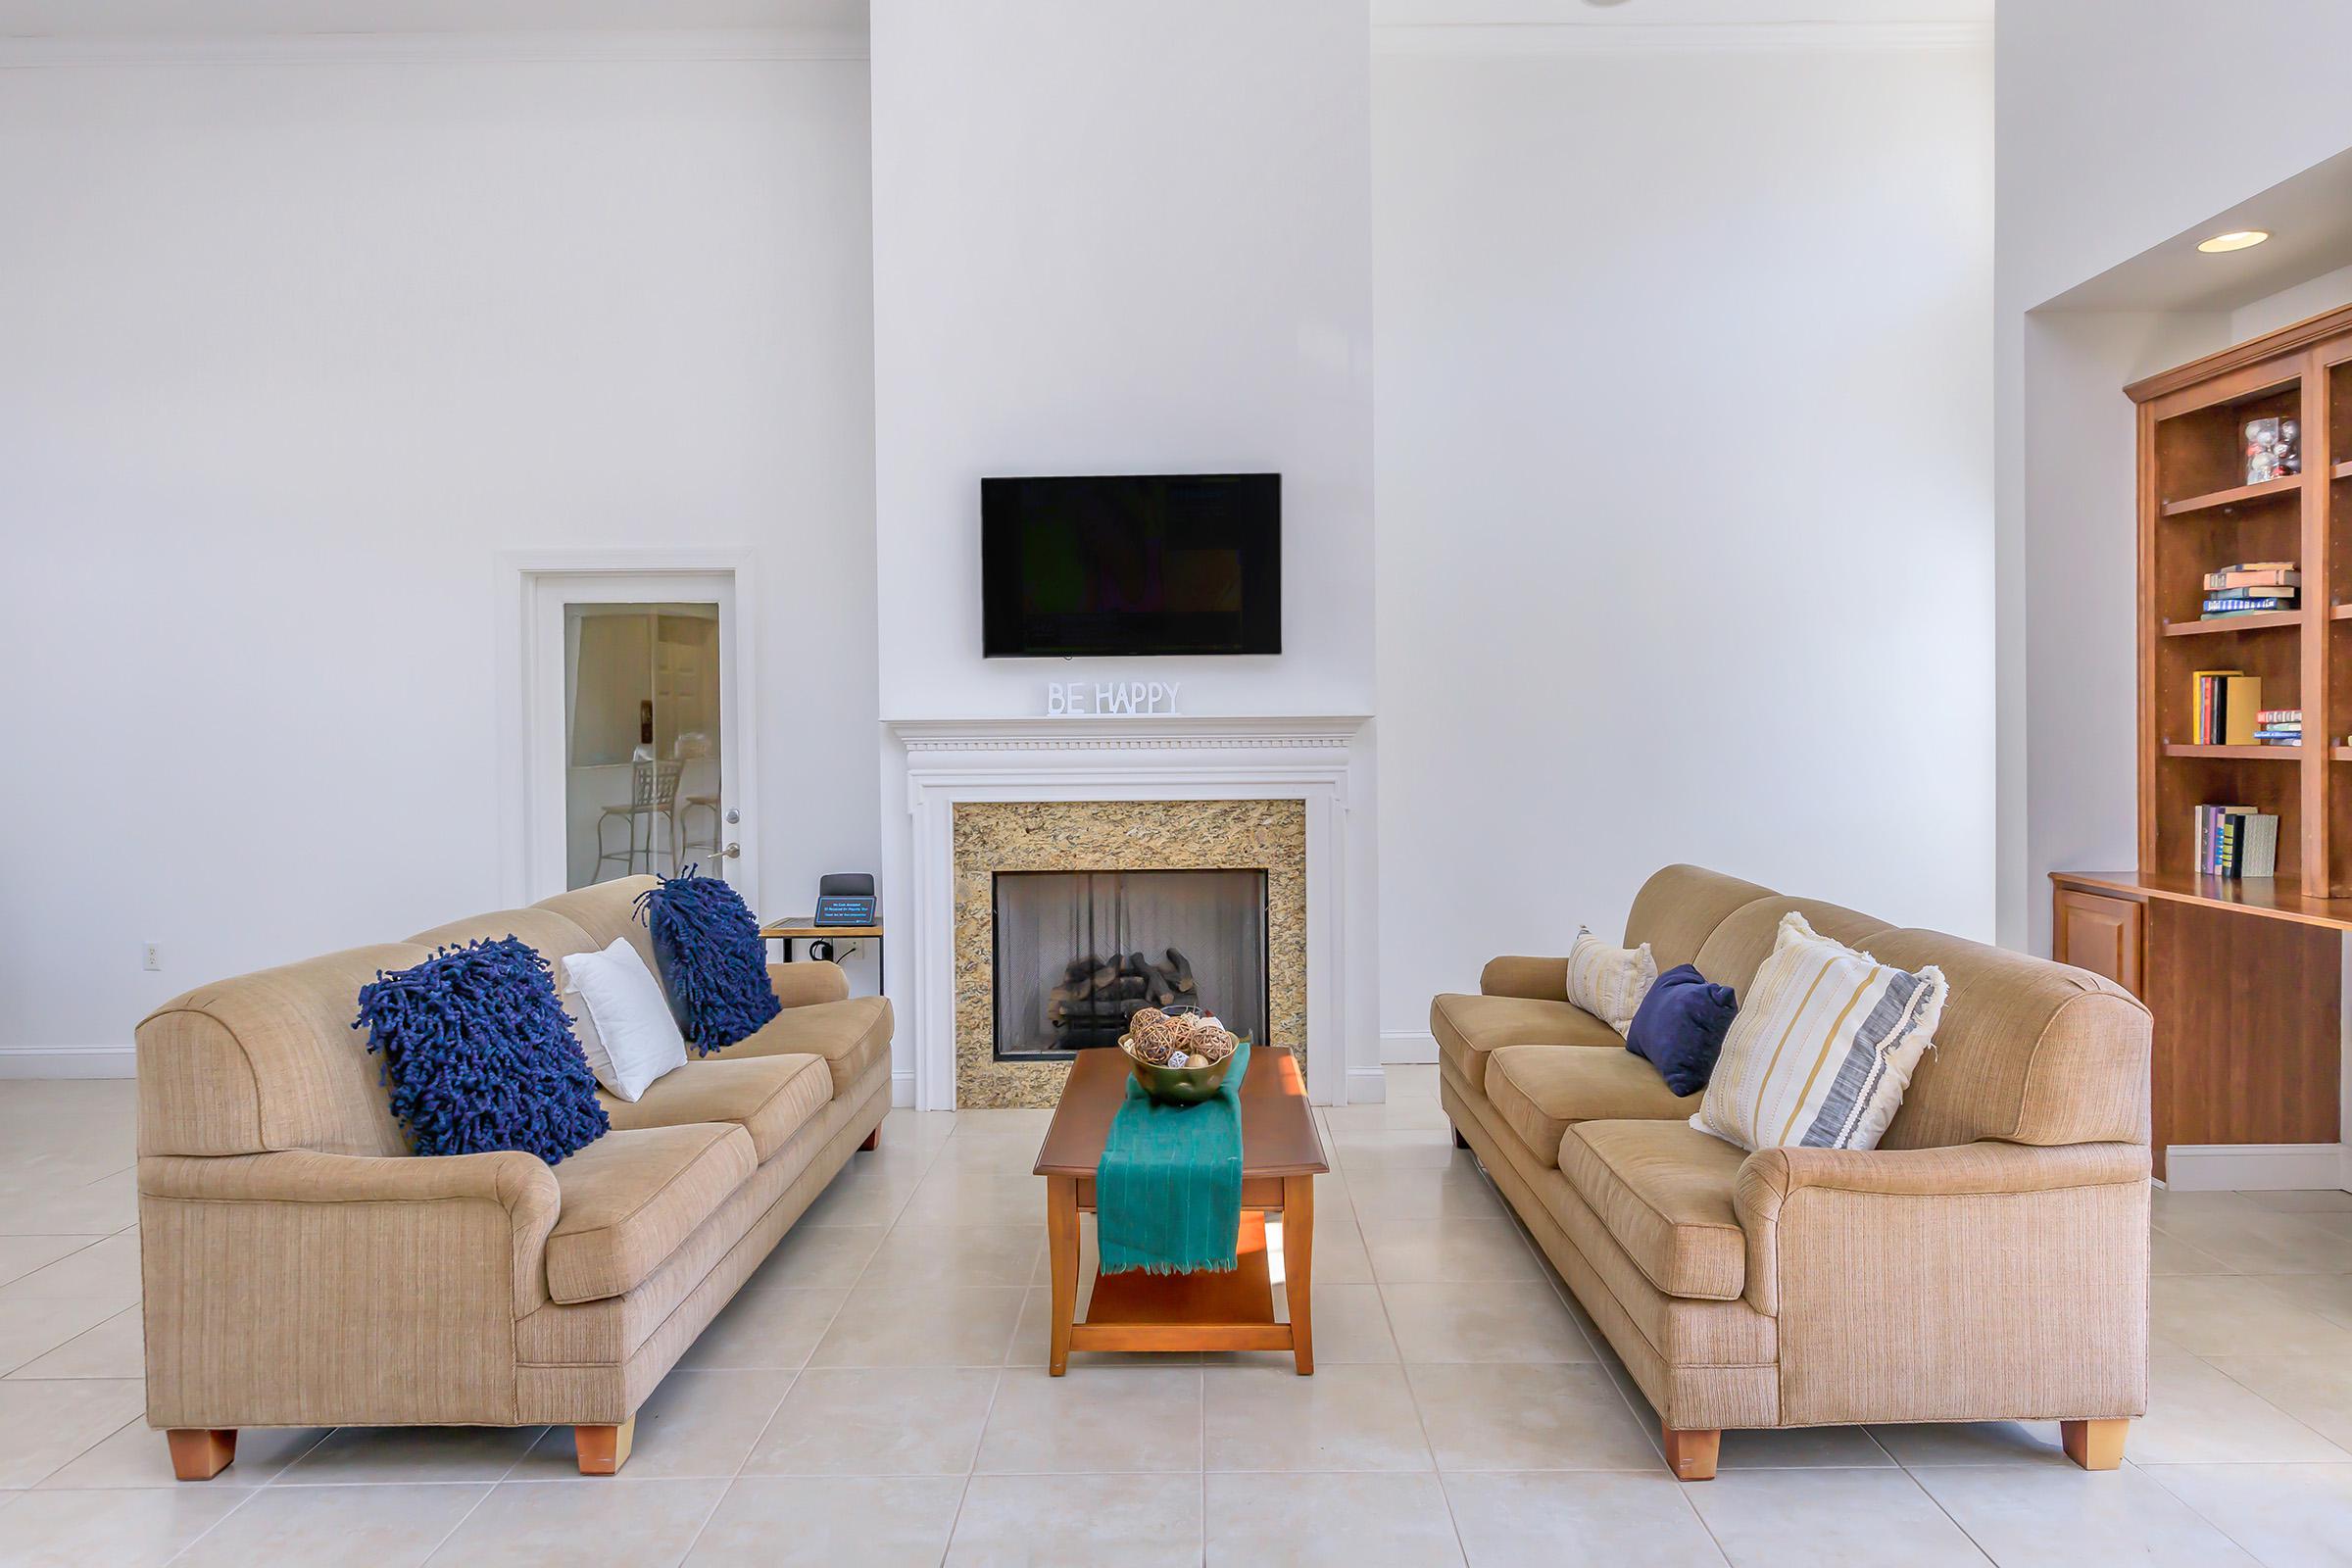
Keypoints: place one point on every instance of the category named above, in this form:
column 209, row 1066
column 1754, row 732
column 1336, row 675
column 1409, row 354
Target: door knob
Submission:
column 732, row 851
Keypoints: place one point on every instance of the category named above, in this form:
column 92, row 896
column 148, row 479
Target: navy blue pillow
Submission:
column 479, row 1056
column 1680, row 1027
column 714, row 965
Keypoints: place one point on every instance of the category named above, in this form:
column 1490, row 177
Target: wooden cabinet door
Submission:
column 2100, row 934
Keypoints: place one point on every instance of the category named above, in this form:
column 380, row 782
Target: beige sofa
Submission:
column 1989, row 1260
column 303, row 1268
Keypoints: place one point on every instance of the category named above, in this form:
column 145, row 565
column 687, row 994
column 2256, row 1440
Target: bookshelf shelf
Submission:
column 2238, row 754
column 2235, row 495
column 2343, row 470
column 2340, row 753
column 2340, row 612
column 2258, row 621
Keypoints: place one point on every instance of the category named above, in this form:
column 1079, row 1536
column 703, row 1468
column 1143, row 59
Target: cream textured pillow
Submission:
column 1823, row 1048
column 1607, row 982
column 622, row 1021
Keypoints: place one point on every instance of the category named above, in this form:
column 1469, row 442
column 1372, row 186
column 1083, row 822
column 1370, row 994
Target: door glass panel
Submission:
column 641, row 740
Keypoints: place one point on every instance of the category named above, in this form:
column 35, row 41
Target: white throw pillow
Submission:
column 1823, row 1047
column 623, row 1022
column 1608, row 982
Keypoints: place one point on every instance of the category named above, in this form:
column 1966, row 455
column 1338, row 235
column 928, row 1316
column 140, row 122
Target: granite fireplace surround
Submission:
column 992, row 836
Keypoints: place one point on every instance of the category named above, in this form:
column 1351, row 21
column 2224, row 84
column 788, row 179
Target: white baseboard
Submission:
column 2254, row 1167
column 68, row 1061
column 1367, row 1086
column 1408, row 1047
column 902, row 1090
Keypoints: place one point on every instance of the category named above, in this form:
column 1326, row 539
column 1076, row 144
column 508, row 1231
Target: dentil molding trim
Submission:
column 1165, row 733
column 549, row 46
column 1700, row 37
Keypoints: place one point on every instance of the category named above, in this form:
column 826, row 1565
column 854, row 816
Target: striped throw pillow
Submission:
column 1823, row 1048
column 1608, row 982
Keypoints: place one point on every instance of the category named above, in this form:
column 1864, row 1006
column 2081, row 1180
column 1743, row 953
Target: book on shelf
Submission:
column 2237, row 840
column 2279, row 715
column 2255, row 574
column 2223, row 704
column 2219, row 606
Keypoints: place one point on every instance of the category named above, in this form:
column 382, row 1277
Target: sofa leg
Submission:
column 1459, row 1142
column 603, row 1451
column 1690, row 1455
column 199, row 1453
column 873, row 1141
column 2094, row 1444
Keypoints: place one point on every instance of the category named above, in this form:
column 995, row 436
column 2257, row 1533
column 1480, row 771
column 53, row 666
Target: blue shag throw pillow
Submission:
column 714, row 964
column 1680, row 1027
column 479, row 1055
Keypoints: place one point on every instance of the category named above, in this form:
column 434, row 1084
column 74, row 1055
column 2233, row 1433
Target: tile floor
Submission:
column 877, row 1396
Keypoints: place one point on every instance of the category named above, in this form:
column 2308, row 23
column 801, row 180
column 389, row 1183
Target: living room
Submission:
column 820, row 781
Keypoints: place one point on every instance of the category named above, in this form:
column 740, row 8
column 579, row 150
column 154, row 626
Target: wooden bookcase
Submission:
column 2243, row 976
column 2197, row 513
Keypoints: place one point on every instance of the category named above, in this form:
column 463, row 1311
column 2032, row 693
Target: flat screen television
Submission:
column 1131, row 565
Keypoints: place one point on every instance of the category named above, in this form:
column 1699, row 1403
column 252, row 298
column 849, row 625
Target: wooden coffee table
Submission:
column 1281, row 1158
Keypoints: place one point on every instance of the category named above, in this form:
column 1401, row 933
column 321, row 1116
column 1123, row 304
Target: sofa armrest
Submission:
column 812, row 980
column 518, row 1183
column 1986, row 1278
column 1535, row 979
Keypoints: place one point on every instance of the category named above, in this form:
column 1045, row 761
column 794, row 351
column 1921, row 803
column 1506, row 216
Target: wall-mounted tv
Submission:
column 1128, row 565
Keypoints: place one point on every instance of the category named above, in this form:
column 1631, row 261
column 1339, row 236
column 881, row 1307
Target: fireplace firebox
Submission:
column 1078, row 952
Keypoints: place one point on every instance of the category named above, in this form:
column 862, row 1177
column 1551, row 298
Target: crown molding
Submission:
column 684, row 45
column 1632, row 37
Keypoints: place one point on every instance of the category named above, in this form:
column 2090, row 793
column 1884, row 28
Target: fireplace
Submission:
column 1077, row 953
column 1221, row 881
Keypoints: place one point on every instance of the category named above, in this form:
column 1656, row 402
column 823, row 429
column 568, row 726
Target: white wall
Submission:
column 2120, row 123
column 1131, row 238
column 292, row 352
column 2328, row 292
column 1112, row 240
column 1685, row 508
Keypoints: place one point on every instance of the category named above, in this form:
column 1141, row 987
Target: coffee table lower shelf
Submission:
column 1174, row 1312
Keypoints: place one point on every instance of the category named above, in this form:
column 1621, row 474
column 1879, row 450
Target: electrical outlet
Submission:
column 151, row 956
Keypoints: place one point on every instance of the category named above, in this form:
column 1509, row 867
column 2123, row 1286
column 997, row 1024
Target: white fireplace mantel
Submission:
column 1321, row 760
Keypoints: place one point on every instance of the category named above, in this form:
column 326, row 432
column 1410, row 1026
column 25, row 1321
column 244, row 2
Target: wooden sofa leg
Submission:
column 873, row 1141
column 603, row 1451
column 2094, row 1444
column 199, row 1453
column 1690, row 1455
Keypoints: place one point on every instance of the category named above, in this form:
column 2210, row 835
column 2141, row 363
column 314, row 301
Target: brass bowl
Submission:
column 1175, row 1086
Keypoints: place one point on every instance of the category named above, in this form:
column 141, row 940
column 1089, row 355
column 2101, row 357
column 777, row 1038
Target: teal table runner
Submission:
column 1168, row 1192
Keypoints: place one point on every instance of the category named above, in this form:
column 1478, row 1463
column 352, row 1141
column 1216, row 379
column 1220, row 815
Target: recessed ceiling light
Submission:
column 2237, row 240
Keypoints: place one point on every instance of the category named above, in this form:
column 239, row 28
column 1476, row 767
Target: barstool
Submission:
column 698, row 791
column 653, row 791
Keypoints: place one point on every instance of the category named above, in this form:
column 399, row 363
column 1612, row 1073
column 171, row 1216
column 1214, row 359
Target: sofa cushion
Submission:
column 478, row 1055
column 712, row 962
column 851, row 1036
column 1469, row 1027
column 1663, row 1189
column 2028, row 1051
column 1679, row 907
column 1746, row 937
column 770, row 1098
column 630, row 1197
column 1541, row 1090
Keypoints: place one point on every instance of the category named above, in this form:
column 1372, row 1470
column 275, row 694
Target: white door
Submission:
column 639, row 758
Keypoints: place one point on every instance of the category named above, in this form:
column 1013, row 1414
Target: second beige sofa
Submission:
column 1989, row 1261
column 302, row 1267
